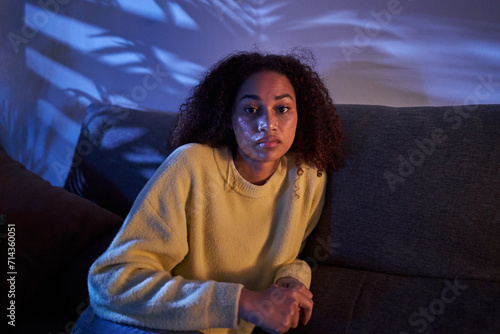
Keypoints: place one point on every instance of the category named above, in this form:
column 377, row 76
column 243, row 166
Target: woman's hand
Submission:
column 288, row 282
column 278, row 308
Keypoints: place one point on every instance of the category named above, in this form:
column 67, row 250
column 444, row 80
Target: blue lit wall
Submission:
column 58, row 56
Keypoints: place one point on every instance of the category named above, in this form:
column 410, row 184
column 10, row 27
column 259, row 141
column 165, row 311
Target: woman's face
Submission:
column 264, row 117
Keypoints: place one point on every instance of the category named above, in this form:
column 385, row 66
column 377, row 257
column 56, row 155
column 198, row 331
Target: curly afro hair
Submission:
column 205, row 117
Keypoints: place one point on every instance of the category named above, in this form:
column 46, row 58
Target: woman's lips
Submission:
column 268, row 142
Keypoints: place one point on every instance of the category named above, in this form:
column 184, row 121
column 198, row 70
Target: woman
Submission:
column 211, row 242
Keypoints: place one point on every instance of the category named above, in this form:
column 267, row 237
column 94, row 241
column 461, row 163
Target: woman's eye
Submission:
column 283, row 109
column 251, row 110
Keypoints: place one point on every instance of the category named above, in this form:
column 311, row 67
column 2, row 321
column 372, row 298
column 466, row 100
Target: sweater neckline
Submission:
column 233, row 179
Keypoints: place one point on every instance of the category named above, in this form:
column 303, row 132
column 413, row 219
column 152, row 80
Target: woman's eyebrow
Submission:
column 282, row 96
column 250, row 96
column 256, row 97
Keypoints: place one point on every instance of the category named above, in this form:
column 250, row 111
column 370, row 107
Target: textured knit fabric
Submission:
column 197, row 233
column 419, row 194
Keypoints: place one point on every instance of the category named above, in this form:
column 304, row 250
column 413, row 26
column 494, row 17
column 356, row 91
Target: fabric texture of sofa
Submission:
column 409, row 239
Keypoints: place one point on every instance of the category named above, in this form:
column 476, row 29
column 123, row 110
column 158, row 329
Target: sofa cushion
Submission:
column 52, row 227
column 358, row 301
column 420, row 193
column 117, row 152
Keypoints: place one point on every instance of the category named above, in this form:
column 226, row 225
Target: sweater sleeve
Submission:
column 299, row 269
column 132, row 281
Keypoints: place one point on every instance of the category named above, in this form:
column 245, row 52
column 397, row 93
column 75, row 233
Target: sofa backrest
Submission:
column 419, row 194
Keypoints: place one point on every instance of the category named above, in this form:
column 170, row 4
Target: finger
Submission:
column 306, row 314
column 305, row 291
column 284, row 327
column 303, row 296
column 296, row 317
column 306, row 305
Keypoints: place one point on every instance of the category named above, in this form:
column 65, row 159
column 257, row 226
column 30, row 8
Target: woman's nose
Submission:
column 267, row 122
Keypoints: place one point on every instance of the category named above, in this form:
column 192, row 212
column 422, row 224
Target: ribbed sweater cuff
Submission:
column 298, row 270
column 224, row 305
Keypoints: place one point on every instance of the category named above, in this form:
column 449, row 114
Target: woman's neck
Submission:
column 255, row 172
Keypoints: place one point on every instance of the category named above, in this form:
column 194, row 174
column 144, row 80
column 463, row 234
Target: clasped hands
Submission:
column 278, row 308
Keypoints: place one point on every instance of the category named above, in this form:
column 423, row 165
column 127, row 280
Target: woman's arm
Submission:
column 132, row 281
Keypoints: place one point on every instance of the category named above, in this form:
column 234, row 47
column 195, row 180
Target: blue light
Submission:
column 181, row 18
column 145, row 8
column 59, row 75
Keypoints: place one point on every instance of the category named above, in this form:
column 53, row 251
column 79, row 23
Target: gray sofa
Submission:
column 409, row 239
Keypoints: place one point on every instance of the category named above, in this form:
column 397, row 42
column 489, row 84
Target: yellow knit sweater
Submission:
column 197, row 233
